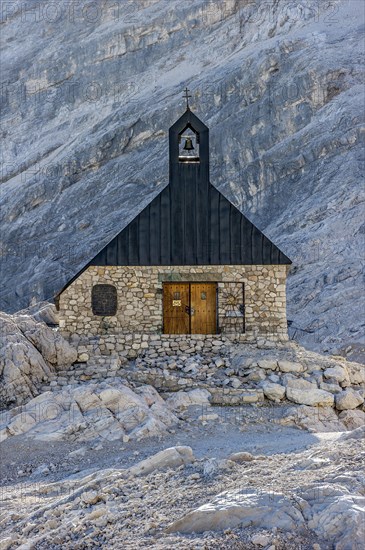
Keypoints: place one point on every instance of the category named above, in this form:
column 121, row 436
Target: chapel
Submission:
column 190, row 263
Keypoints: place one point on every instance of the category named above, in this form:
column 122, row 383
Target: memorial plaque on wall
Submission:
column 104, row 300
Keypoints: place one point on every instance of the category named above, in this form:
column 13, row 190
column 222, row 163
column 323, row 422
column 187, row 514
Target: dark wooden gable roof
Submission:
column 190, row 222
column 185, row 226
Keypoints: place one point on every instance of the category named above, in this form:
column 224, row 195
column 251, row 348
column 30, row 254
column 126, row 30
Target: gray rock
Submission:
column 357, row 433
column 311, row 397
column 314, row 419
column 274, row 392
column 43, row 312
column 268, row 364
column 181, row 399
column 332, row 387
column 91, row 411
column 235, row 382
column 348, row 399
column 352, row 419
column 301, row 384
column 256, row 375
column 356, row 373
column 30, row 352
column 290, row 366
column 168, row 458
column 261, row 540
column 241, row 457
column 337, row 373
column 245, row 508
column 335, row 515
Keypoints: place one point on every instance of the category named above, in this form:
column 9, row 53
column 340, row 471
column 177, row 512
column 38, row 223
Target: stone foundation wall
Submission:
column 138, row 321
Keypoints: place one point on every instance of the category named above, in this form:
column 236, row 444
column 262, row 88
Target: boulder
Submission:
column 150, row 395
column 43, row 312
column 240, row 458
column 352, row 419
column 311, row 397
column 357, row 433
column 235, row 382
column 348, row 399
column 335, row 515
column 274, row 392
column 53, row 348
column 255, row 375
column 301, row 384
column 261, row 540
column 90, row 411
column 21, row 424
column 313, row 419
column 246, row 508
column 356, row 373
column 268, row 364
column 182, row 400
column 338, row 373
column 91, row 497
column 86, row 399
column 332, row 387
column 290, row 366
column 30, row 352
column 168, row 458
column 231, row 396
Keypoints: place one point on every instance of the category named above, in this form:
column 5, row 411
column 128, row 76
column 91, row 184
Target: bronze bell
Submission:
column 188, row 144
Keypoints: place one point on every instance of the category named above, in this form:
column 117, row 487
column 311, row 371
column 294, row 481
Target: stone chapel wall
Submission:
column 140, row 310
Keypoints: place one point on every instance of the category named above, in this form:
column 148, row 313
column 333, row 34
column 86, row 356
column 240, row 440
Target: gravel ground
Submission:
column 250, row 428
column 44, row 510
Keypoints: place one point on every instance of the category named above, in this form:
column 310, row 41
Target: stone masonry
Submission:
column 139, row 318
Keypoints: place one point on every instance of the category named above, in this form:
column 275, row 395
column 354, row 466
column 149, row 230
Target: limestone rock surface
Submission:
column 242, row 508
column 168, row 458
column 349, row 399
column 311, row 397
column 314, row 419
column 352, row 419
column 338, row 373
column 30, row 352
column 336, row 515
column 183, row 399
column 290, row 366
column 274, row 392
column 87, row 412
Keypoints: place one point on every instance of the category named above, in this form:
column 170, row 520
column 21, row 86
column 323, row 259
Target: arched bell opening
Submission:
column 189, row 145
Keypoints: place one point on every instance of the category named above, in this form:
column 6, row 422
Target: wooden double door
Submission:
column 190, row 308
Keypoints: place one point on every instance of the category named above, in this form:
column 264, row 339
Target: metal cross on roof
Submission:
column 186, row 96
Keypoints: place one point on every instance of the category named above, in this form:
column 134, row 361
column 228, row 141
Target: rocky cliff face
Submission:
column 90, row 90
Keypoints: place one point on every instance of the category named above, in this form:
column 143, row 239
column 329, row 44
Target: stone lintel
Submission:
column 189, row 277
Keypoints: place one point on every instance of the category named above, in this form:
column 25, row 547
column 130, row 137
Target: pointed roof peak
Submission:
column 189, row 117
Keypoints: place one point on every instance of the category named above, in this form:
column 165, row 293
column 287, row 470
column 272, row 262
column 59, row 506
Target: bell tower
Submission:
column 189, row 150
